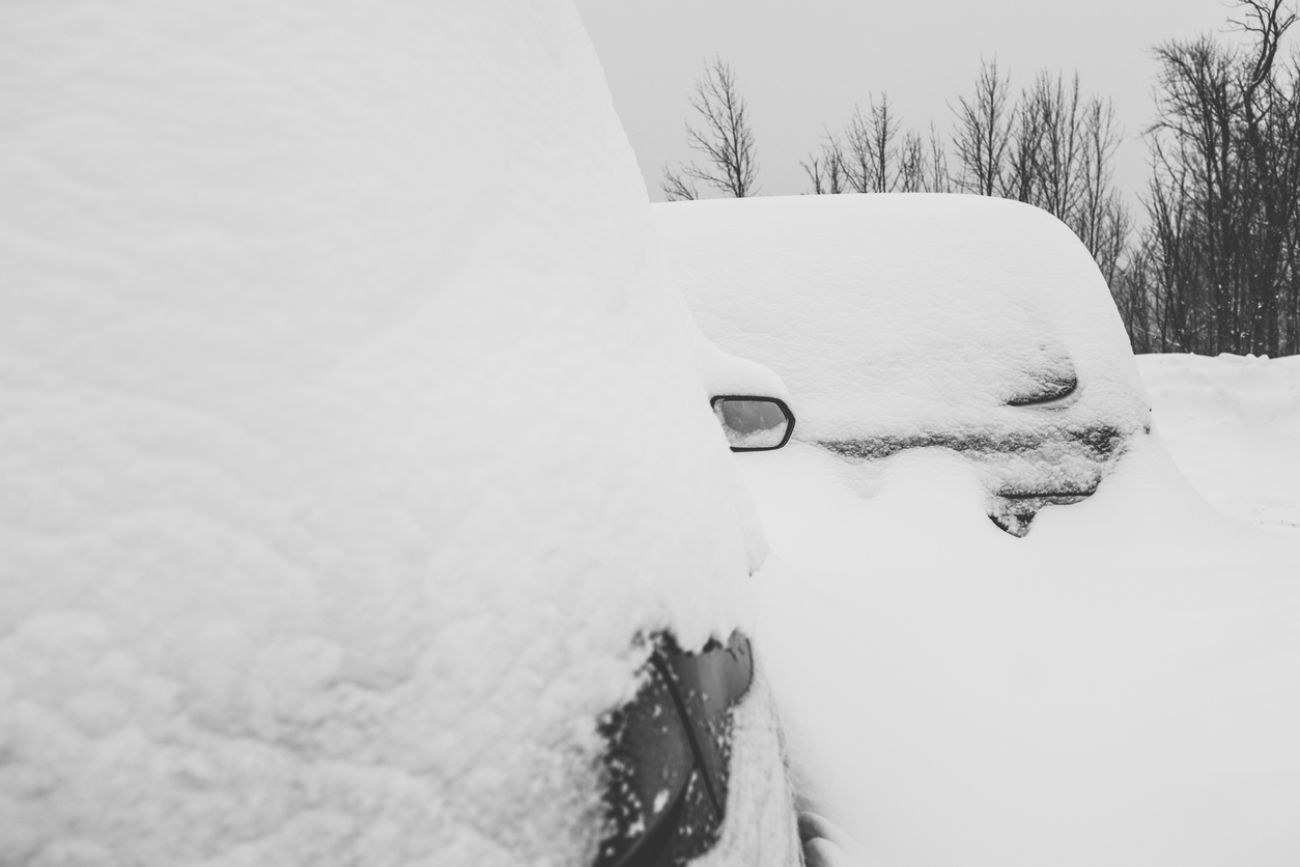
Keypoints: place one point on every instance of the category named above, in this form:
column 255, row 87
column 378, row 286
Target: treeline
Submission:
column 1211, row 265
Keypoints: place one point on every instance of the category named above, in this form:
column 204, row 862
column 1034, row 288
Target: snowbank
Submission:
column 347, row 430
column 1232, row 425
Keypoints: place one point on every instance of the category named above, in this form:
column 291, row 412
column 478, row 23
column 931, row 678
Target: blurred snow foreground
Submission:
column 348, row 434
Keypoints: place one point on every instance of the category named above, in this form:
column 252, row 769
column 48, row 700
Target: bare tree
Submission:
column 1101, row 219
column 827, row 169
column 723, row 138
column 911, row 164
column 1059, row 121
column 872, row 155
column 938, row 179
column 983, row 132
column 678, row 188
column 1224, row 199
column 870, row 158
column 1272, row 181
column 1021, row 180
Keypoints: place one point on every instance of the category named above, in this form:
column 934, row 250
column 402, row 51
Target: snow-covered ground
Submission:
column 1232, row 425
column 1120, row 687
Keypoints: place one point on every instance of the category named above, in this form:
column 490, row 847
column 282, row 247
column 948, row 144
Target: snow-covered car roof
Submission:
column 352, row 437
column 888, row 313
column 904, row 321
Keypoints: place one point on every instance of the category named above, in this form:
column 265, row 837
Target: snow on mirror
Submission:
column 754, row 424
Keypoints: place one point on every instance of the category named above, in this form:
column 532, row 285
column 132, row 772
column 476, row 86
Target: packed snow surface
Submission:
column 350, row 435
column 1120, row 687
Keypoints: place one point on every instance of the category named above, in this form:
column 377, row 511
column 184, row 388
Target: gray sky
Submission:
column 803, row 66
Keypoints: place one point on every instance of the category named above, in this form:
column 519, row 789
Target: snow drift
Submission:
column 1232, row 423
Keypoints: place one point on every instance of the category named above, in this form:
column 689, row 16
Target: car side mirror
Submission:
column 752, row 423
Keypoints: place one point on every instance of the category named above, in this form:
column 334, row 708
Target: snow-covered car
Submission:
column 1121, row 685
column 359, row 484
column 923, row 321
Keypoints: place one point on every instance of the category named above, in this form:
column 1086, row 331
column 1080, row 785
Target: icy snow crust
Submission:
column 905, row 321
column 349, row 436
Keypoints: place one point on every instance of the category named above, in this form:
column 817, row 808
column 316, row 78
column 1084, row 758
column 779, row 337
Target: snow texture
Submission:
column 349, row 431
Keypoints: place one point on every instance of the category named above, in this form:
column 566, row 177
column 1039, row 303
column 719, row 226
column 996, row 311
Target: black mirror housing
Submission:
column 753, row 423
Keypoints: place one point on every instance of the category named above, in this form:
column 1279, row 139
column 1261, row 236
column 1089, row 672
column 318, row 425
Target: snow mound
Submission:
column 1232, row 424
column 348, row 435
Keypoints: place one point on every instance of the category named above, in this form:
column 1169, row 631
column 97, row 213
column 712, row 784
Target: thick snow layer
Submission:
column 892, row 314
column 1232, row 424
column 1120, row 687
column 899, row 321
column 348, row 432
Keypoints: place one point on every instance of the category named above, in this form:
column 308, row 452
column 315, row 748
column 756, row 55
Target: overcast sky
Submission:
column 803, row 66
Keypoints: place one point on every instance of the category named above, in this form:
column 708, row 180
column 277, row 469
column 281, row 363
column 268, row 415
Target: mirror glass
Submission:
column 754, row 423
